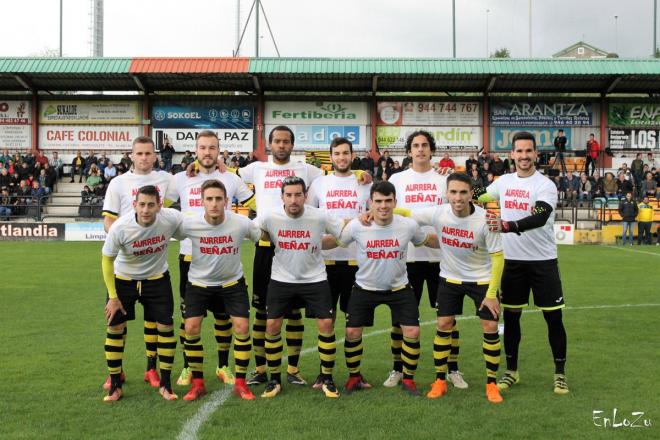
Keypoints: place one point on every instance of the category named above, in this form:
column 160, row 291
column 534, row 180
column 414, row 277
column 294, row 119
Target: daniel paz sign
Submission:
column 183, row 139
column 316, row 113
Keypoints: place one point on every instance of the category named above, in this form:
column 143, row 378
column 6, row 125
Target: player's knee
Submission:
column 273, row 326
column 241, row 325
column 410, row 331
column 164, row 327
column 117, row 328
column 193, row 328
column 445, row 323
column 353, row 333
column 552, row 316
column 489, row 326
column 325, row 325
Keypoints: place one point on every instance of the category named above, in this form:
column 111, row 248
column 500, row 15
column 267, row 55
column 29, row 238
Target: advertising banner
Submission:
column 429, row 113
column 318, row 137
column 633, row 115
column 316, row 113
column 84, row 232
column 631, row 139
column 183, row 139
column 564, row 234
column 541, row 114
column 178, row 116
column 446, row 138
column 88, row 137
column 545, row 138
column 15, row 113
column 31, row 231
column 15, row 136
column 89, row 112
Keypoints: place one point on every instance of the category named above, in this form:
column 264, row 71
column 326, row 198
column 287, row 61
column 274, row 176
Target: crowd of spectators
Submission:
column 25, row 182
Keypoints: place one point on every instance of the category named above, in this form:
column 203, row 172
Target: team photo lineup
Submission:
column 327, row 246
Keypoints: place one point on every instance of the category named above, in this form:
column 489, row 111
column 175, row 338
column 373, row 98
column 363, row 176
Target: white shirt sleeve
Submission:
column 112, row 241
column 243, row 193
column 333, row 225
column 346, row 237
column 112, row 201
column 548, row 194
column 493, row 190
column 418, row 236
column 253, row 230
column 247, row 173
column 424, row 216
column 171, row 193
column 313, row 172
column 312, row 196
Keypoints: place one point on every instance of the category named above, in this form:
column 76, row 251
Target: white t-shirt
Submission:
column 297, row 243
column 517, row 197
column 216, row 249
column 189, row 191
column 122, row 190
column 381, row 251
column 267, row 180
column 465, row 242
column 141, row 252
column 417, row 191
column 344, row 198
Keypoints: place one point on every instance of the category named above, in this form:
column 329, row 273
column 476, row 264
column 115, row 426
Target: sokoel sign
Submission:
column 178, row 116
column 185, row 139
column 88, row 137
column 634, row 139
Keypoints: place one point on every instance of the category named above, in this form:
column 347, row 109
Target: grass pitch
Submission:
column 52, row 364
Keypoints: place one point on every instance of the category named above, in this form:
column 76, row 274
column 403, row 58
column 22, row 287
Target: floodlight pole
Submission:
column 655, row 27
column 256, row 29
column 453, row 27
column 61, row 10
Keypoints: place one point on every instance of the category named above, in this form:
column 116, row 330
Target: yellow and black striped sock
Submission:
column 492, row 349
column 410, row 356
column 195, row 355
column 396, row 341
column 455, row 348
column 166, row 350
column 353, row 355
column 114, row 354
column 441, row 350
column 274, row 348
column 295, row 327
column 222, row 329
column 258, row 335
column 327, row 346
column 182, row 342
column 151, row 343
column 242, row 349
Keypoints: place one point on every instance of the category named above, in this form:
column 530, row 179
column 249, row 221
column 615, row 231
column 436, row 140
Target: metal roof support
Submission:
column 613, row 84
column 257, row 85
column 23, row 82
column 138, row 83
column 491, row 84
column 374, row 84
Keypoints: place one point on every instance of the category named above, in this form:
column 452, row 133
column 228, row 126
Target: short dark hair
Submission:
column 523, row 136
column 148, row 190
column 340, row 141
column 429, row 137
column 281, row 128
column 459, row 177
column 214, row 183
column 207, row 133
column 144, row 140
column 383, row 187
column 294, row 180
column 561, row 130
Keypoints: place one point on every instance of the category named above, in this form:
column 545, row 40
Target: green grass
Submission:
column 52, row 363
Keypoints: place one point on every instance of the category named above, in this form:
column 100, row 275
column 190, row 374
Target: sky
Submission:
column 337, row 28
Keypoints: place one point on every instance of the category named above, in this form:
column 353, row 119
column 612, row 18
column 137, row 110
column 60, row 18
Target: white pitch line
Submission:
column 218, row 398
column 633, row 250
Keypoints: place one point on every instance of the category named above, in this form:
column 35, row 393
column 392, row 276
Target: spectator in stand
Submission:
column 356, row 162
column 30, row 159
column 6, row 204
column 94, row 179
column 57, row 165
column 240, row 160
column 623, row 186
column 187, row 159
column 470, row 161
column 234, row 162
column 395, row 169
column 508, row 163
column 475, row 178
column 25, row 170
column 483, row 158
column 102, row 162
column 167, row 153
column 650, row 161
column 23, row 192
column 86, row 195
column 51, row 176
column 560, row 184
column 637, row 166
column 388, row 159
column 572, row 187
column 251, row 158
column 43, row 181
column 628, row 211
column 593, row 151
column 161, row 165
column 407, row 161
column 90, row 160
column 110, row 172
column 485, row 169
column 649, row 186
column 77, row 166
column 5, row 157
column 490, row 178
column 5, row 178
column 10, row 166
column 225, row 157
column 41, row 159
column 585, row 190
column 14, row 181
column 498, row 165
column 597, row 185
column 625, row 170
column 37, row 194
column 610, row 185
column 367, row 163
column 126, row 162
column 446, row 163
column 645, row 219
column 381, row 171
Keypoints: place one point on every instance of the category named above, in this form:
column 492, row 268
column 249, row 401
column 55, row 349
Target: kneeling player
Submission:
column 135, row 269
column 382, row 279
column 298, row 276
column 216, row 282
column 471, row 265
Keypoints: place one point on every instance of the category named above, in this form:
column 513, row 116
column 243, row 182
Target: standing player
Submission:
column 298, row 277
column 119, row 202
column 342, row 196
column 527, row 199
column 135, row 269
column 471, row 265
column 381, row 279
column 421, row 187
column 216, row 283
column 189, row 193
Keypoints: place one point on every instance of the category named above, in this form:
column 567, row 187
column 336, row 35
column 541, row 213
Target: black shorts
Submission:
column 231, row 299
column 184, row 267
column 363, row 303
column 341, row 277
column 154, row 295
column 283, row 297
column 542, row 277
column 420, row 271
column 449, row 301
column 263, row 262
